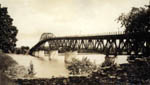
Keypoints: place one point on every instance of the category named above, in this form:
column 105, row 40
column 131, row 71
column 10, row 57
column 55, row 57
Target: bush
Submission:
column 16, row 71
column 10, row 67
column 81, row 67
column 6, row 61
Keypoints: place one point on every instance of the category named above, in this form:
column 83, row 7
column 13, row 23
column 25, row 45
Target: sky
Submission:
column 66, row 17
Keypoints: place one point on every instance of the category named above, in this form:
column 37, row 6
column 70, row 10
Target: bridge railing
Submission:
column 97, row 34
column 110, row 33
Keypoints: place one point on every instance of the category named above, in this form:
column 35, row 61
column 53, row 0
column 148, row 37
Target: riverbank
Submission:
column 134, row 72
column 5, row 62
column 75, row 80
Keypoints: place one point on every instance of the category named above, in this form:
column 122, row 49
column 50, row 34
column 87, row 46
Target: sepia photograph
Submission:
column 74, row 42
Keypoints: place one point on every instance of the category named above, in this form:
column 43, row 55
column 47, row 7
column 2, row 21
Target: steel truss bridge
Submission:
column 109, row 44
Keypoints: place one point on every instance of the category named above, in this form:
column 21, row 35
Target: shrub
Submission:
column 16, row 71
column 81, row 67
column 6, row 61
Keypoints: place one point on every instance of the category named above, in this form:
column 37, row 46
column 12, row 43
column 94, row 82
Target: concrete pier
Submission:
column 41, row 53
column 52, row 54
column 69, row 56
column 36, row 53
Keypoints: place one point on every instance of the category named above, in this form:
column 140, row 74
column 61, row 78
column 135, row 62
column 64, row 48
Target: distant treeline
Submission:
column 21, row 50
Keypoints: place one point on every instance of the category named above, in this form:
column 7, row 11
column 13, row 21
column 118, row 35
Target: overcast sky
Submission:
column 65, row 17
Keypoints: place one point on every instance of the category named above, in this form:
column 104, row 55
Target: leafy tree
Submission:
column 8, row 32
column 137, row 20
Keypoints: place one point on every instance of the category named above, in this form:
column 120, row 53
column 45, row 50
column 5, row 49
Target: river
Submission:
column 45, row 68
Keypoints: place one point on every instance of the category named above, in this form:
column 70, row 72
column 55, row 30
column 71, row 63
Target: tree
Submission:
column 137, row 20
column 8, row 32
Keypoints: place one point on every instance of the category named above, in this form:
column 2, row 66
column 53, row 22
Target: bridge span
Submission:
column 110, row 44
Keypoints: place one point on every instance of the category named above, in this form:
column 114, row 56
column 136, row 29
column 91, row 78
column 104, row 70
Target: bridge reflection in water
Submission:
column 109, row 44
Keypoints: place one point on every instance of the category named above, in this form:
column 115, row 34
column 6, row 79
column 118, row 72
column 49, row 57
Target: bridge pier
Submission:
column 36, row 53
column 69, row 55
column 52, row 54
column 41, row 53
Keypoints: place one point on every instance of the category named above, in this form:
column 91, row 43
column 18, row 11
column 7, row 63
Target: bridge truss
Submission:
column 112, row 44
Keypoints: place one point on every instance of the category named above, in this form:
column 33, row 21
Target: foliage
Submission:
column 16, row 71
column 11, row 68
column 6, row 61
column 137, row 20
column 19, row 71
column 22, row 50
column 107, row 70
column 81, row 67
column 139, row 66
column 8, row 32
column 134, row 72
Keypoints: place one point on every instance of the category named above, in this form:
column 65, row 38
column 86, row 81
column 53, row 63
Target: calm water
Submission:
column 46, row 68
